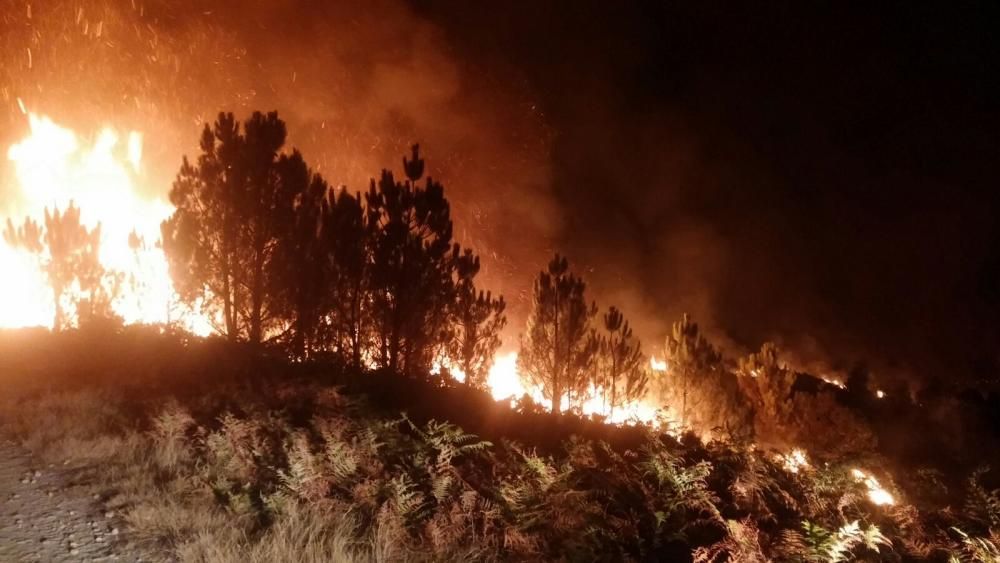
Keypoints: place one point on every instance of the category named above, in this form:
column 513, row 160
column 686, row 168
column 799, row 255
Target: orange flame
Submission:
column 54, row 168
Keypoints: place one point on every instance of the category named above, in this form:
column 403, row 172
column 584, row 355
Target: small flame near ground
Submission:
column 796, row 461
column 505, row 383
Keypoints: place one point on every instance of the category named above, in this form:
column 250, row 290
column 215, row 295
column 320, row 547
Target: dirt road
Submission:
column 48, row 514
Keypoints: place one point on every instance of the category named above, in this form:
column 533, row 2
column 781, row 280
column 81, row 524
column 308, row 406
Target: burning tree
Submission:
column 222, row 239
column 347, row 240
column 300, row 269
column 68, row 254
column 620, row 363
column 698, row 384
column 784, row 415
column 558, row 348
column 478, row 318
column 412, row 267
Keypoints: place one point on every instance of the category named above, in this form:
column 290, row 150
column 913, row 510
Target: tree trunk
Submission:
column 556, row 362
column 257, row 298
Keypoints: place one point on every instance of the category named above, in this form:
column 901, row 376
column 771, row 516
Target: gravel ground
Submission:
column 48, row 515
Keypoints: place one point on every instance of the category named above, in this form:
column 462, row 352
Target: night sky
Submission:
column 820, row 175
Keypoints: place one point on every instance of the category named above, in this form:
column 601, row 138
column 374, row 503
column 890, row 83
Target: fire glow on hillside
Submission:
column 55, row 169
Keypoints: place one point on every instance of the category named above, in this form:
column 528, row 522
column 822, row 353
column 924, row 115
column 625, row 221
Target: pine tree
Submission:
column 300, row 273
column 411, row 278
column 477, row 321
column 699, row 384
column 223, row 235
column 787, row 418
column 68, row 254
column 347, row 241
column 621, row 370
column 690, row 357
column 558, row 347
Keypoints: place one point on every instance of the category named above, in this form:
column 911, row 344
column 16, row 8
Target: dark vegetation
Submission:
column 428, row 469
column 318, row 414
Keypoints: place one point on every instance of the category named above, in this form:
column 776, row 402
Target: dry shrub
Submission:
column 171, row 434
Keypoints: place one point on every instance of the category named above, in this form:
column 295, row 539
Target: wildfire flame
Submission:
column 876, row 493
column 505, row 383
column 795, row 461
column 53, row 168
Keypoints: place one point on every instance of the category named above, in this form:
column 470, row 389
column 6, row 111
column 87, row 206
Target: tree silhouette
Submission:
column 299, row 271
column 68, row 253
column 558, row 346
column 411, row 277
column 697, row 381
column 768, row 385
column 222, row 238
column 620, row 368
column 347, row 240
column 477, row 321
column 689, row 356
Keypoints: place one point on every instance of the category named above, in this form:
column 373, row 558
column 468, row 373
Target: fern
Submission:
column 976, row 550
column 982, row 506
column 681, row 488
column 304, row 476
column 741, row 544
column 816, row 544
column 342, row 460
column 405, row 500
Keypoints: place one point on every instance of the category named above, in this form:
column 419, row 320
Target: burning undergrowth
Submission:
column 208, row 457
